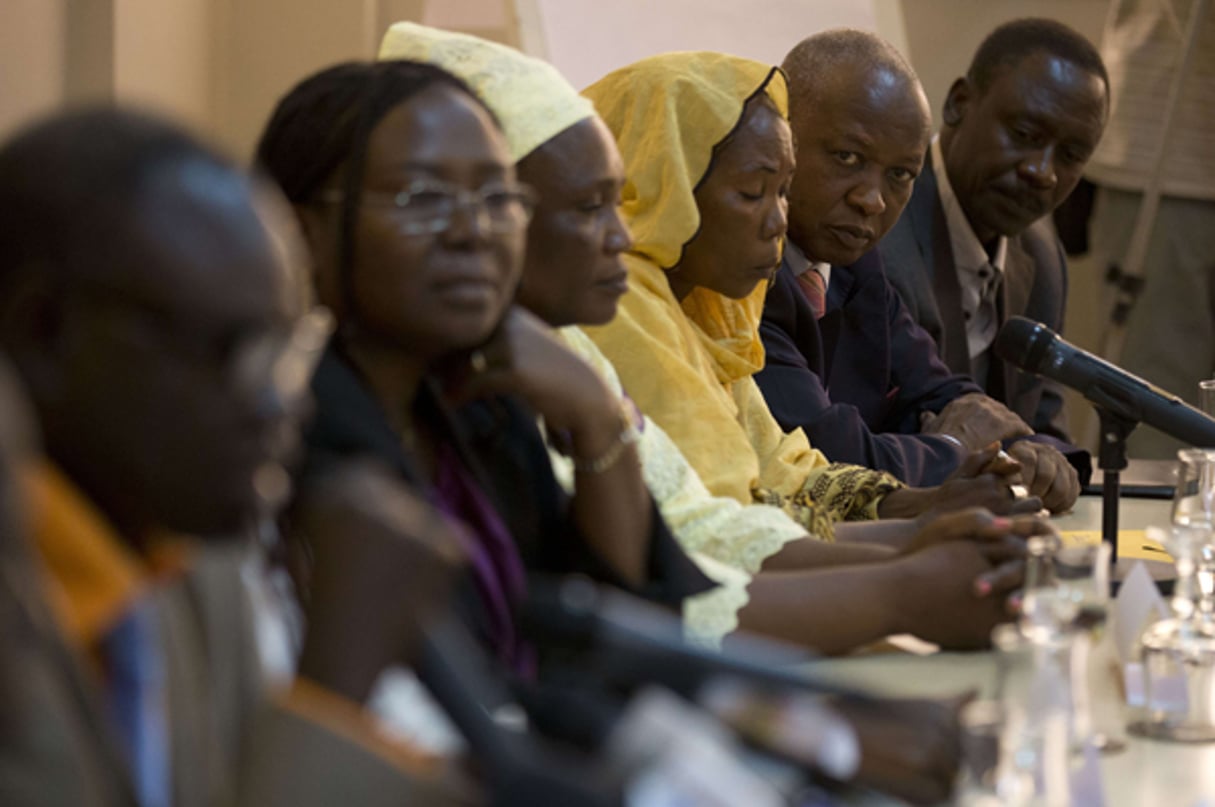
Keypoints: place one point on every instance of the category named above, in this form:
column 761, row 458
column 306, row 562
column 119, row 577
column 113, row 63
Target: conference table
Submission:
column 1146, row 774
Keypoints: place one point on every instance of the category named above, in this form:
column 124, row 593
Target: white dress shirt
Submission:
column 979, row 274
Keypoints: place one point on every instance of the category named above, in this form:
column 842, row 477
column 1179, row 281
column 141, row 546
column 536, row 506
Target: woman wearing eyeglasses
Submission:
column 408, row 199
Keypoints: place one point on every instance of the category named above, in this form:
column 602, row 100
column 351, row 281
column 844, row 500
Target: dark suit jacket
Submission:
column 857, row 380
column 499, row 442
column 918, row 259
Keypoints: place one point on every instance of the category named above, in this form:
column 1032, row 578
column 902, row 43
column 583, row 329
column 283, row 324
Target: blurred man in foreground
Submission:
column 152, row 309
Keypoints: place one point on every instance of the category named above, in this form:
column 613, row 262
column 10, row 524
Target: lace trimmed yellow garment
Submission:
column 689, row 365
column 531, row 99
column 728, row 541
column 734, row 534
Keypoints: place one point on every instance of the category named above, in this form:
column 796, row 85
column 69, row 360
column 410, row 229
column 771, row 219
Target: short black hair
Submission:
column 1013, row 41
column 72, row 188
column 322, row 125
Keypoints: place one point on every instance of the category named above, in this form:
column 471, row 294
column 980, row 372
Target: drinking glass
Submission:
column 1099, row 695
column 1178, row 654
column 1046, row 613
column 1206, row 562
column 1206, row 396
column 981, row 722
column 1194, row 512
column 1034, row 765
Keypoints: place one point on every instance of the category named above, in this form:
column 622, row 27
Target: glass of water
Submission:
column 1178, row 654
column 1206, row 396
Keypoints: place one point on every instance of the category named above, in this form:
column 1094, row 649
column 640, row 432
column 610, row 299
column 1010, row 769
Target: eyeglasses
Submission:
column 276, row 361
column 281, row 362
column 426, row 208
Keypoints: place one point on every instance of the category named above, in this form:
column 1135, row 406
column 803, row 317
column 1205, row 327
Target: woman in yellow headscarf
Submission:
column 708, row 158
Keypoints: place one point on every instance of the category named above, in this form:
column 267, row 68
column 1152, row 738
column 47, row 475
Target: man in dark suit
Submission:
column 974, row 246
column 845, row 360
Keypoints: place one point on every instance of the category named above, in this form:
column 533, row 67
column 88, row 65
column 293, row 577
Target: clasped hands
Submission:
column 977, row 421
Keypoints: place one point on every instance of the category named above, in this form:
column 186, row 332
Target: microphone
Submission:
column 519, row 767
column 1037, row 349
column 629, row 642
column 655, row 743
column 758, row 688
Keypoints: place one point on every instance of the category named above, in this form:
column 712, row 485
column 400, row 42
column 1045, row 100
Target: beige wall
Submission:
column 941, row 35
column 219, row 65
column 587, row 39
column 162, row 57
column 156, row 53
column 32, row 75
column 263, row 47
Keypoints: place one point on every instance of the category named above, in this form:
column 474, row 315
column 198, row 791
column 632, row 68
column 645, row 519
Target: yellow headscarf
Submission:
column 689, row 364
column 531, row 100
column 668, row 112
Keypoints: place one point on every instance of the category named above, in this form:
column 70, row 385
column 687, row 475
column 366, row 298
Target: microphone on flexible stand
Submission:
column 520, row 768
column 656, row 747
column 1122, row 400
column 630, row 642
column 758, row 687
column 1037, row 349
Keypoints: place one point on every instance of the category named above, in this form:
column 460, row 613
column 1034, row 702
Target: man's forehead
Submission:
column 854, row 104
column 212, row 246
column 858, row 80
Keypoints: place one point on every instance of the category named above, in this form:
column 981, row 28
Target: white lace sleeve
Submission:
column 728, row 540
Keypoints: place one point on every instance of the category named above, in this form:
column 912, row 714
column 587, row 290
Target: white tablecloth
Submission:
column 1147, row 774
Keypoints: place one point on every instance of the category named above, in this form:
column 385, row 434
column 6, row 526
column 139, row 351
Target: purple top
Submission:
column 497, row 568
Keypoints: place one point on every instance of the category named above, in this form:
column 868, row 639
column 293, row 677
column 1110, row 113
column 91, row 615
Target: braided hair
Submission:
column 322, row 125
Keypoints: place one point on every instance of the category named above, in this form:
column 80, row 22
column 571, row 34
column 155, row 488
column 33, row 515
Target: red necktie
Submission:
column 814, row 289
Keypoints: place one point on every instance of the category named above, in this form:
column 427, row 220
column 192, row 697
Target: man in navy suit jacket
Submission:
column 858, row 374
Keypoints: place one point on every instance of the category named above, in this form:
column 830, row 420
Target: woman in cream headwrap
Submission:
column 573, row 274
column 708, row 157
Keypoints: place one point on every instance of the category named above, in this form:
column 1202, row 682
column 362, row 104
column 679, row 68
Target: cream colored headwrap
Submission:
column 532, row 101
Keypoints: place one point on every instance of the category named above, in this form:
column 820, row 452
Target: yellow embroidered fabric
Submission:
column 689, row 365
column 531, row 99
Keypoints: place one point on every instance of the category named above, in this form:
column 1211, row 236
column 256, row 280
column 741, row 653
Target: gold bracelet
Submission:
column 629, row 435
